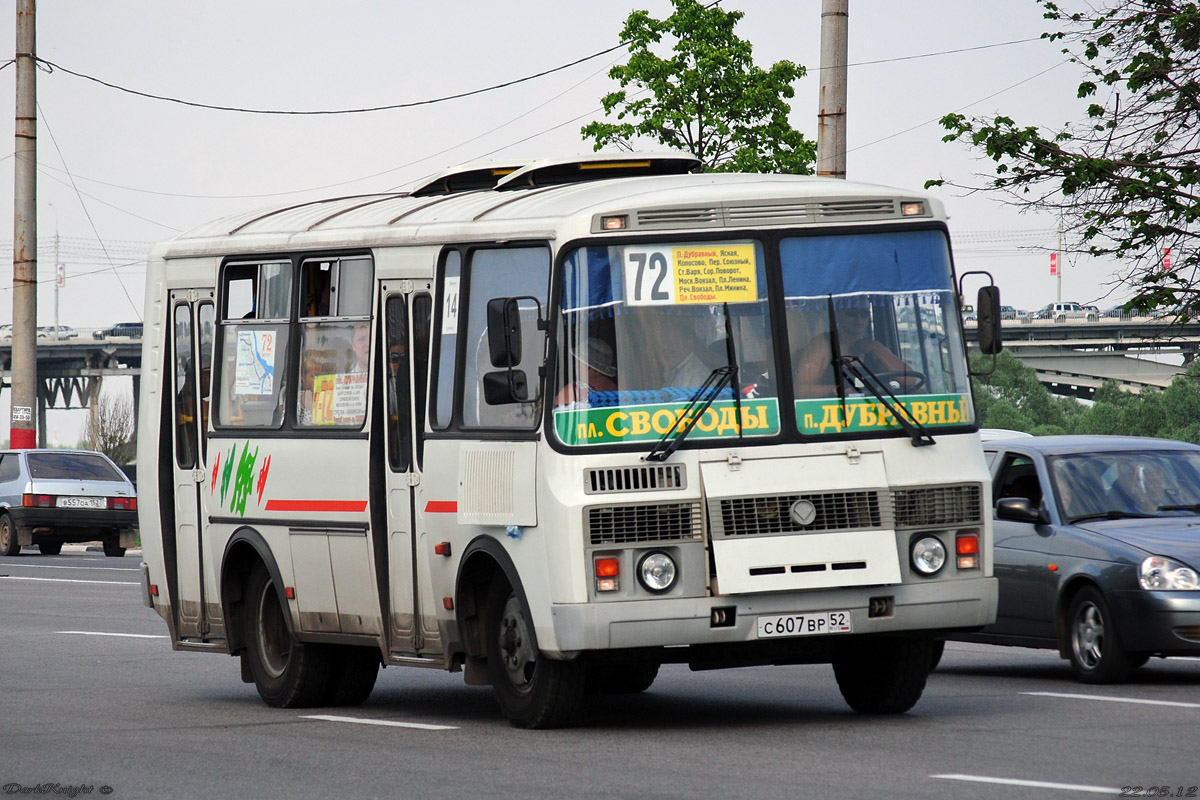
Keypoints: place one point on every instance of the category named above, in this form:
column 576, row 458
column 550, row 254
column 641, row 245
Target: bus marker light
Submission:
column 616, row 222
column 912, row 209
column 442, row 548
column 448, row 603
column 154, row 590
column 289, row 592
column 966, row 547
column 608, row 571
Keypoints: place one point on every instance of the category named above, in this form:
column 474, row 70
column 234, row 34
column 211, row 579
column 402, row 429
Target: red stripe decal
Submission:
column 441, row 507
column 335, row 506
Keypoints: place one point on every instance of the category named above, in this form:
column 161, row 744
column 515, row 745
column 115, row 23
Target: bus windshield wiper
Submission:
column 1194, row 508
column 717, row 380
column 1112, row 513
column 871, row 382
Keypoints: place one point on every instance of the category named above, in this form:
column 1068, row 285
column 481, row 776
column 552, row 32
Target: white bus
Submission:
column 555, row 424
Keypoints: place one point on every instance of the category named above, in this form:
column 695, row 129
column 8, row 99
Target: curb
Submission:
column 96, row 547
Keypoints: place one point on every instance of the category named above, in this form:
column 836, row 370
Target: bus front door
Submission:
column 192, row 318
column 407, row 325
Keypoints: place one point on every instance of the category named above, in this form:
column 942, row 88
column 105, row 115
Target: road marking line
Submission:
column 1114, row 699
column 387, row 723
column 1074, row 787
column 66, row 580
column 129, row 635
column 55, row 566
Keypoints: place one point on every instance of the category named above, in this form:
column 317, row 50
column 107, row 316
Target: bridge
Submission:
column 70, row 371
column 1074, row 358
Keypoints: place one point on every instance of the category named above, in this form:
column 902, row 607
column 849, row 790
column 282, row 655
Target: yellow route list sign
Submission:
column 721, row 273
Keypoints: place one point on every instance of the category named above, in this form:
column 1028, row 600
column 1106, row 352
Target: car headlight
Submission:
column 656, row 572
column 1160, row 573
column 928, row 555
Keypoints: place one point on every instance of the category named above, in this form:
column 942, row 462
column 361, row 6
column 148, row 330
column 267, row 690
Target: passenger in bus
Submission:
column 397, row 406
column 814, row 365
column 595, row 371
column 361, row 344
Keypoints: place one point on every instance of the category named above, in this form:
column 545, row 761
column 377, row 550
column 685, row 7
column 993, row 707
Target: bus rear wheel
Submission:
column 883, row 676
column 287, row 673
column 533, row 691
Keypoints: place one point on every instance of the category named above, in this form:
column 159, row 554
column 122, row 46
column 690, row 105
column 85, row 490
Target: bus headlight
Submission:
column 656, row 572
column 928, row 555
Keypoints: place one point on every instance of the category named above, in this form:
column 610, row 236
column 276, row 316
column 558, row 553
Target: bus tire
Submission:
column 354, row 672
column 50, row 548
column 883, row 676
column 533, row 692
column 287, row 673
column 8, row 537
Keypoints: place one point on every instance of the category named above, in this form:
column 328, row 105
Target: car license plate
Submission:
column 815, row 624
column 82, row 502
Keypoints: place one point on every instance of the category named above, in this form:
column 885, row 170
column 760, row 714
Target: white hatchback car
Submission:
column 1061, row 312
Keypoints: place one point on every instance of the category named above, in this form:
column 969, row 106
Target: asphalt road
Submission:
column 93, row 697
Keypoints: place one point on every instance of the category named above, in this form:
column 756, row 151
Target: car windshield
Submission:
column 72, row 466
column 1127, row 483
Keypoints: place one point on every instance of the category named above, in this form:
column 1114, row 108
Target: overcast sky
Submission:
column 118, row 171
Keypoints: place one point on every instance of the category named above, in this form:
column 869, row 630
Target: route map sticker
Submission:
column 254, row 372
column 699, row 273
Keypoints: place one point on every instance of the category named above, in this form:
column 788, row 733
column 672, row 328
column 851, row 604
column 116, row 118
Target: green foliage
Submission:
column 706, row 97
column 1012, row 398
column 1125, row 177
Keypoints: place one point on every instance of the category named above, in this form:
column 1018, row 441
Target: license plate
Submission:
column 82, row 502
column 815, row 624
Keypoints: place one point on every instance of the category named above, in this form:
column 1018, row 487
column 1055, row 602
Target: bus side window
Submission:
column 253, row 345
column 422, row 314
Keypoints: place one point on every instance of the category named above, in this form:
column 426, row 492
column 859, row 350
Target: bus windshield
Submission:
column 643, row 326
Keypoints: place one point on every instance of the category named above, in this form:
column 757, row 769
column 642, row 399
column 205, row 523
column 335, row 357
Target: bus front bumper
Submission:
column 926, row 609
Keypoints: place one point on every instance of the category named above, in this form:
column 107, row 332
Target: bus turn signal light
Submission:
column 608, row 572
column 966, row 548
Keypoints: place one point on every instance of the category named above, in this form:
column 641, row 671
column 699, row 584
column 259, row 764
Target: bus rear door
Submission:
column 193, row 318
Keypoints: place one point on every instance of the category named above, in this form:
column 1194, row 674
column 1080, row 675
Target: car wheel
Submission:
column 49, row 548
column 8, row 537
column 287, row 673
column 533, row 692
column 1096, row 652
column 113, row 549
column 883, row 676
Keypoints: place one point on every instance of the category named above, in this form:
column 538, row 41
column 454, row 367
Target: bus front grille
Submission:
column 642, row 478
column 938, row 506
column 771, row 514
column 658, row 522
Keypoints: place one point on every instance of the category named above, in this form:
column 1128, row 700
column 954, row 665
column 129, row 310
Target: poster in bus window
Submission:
column 340, row 399
column 254, row 370
column 694, row 273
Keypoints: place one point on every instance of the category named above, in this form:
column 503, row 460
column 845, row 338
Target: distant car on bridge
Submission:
column 130, row 330
column 1061, row 312
column 64, row 332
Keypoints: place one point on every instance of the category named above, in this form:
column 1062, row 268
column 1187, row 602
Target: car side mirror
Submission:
column 1018, row 509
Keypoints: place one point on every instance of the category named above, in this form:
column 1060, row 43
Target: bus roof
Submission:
column 535, row 199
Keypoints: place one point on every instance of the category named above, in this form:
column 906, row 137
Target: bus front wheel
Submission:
column 883, row 676
column 287, row 673
column 533, row 691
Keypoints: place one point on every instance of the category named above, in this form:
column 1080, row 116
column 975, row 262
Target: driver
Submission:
column 814, row 367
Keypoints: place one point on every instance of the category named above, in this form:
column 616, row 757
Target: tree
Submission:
column 707, row 98
column 110, row 428
column 1124, row 179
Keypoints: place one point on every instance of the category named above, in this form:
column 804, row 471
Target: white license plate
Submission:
column 82, row 502
column 815, row 624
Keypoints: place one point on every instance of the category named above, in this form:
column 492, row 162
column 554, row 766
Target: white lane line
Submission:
column 1071, row 787
column 1114, row 699
column 127, row 635
column 65, row 580
column 384, row 722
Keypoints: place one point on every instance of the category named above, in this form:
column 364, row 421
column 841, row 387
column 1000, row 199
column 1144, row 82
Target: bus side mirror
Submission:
column 504, row 332
column 987, row 311
column 505, row 387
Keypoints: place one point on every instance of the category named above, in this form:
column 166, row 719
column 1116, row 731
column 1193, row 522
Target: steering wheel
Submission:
column 895, row 379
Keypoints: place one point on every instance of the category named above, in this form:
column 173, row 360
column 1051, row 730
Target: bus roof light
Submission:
column 914, row 209
column 616, row 222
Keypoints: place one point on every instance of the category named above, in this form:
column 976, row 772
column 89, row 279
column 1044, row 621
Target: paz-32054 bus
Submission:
column 555, row 424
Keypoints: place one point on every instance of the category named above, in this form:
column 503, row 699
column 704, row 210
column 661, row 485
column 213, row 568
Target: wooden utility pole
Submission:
column 831, row 118
column 23, row 430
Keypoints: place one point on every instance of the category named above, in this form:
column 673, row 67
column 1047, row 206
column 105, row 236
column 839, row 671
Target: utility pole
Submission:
column 831, row 117
column 23, row 430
